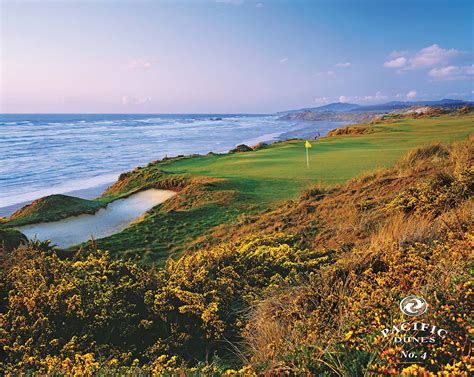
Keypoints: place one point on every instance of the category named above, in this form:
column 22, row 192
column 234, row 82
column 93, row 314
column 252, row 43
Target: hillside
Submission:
column 395, row 105
column 215, row 190
column 51, row 208
column 349, row 215
column 333, row 116
column 381, row 107
column 304, row 289
column 336, row 106
column 381, row 113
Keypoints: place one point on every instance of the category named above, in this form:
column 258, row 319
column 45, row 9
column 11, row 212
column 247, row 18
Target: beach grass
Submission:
column 265, row 178
column 279, row 172
column 217, row 189
column 52, row 208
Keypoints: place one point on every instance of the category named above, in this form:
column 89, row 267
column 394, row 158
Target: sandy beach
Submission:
column 105, row 222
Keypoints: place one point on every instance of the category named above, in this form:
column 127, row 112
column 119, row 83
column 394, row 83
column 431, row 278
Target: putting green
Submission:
column 258, row 180
column 280, row 171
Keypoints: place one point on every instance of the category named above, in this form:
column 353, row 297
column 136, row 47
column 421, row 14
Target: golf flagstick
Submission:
column 307, row 145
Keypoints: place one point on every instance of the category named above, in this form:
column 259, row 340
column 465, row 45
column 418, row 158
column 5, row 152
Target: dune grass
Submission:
column 255, row 181
column 304, row 289
column 10, row 239
column 279, row 172
column 51, row 208
column 265, row 178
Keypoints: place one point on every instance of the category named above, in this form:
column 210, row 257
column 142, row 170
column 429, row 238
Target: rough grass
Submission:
column 382, row 253
column 160, row 235
column 360, row 211
column 52, row 208
column 351, row 130
column 432, row 151
column 310, row 289
column 143, row 178
column 10, row 239
column 216, row 191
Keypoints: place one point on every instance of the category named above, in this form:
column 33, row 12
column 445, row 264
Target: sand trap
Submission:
column 107, row 221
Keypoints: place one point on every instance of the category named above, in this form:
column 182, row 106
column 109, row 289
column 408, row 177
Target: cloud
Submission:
column 377, row 97
column 321, row 100
column 126, row 100
column 140, row 64
column 452, row 72
column 427, row 57
column 331, row 72
column 283, row 60
column 259, row 5
column 396, row 63
column 344, row 99
column 397, row 54
column 432, row 55
column 411, row 94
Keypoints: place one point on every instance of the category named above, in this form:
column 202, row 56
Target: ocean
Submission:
column 48, row 154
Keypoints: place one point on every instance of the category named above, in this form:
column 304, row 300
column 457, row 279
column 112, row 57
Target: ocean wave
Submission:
column 264, row 138
column 69, row 186
column 50, row 154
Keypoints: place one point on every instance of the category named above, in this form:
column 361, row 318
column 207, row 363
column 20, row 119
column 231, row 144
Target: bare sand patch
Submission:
column 107, row 221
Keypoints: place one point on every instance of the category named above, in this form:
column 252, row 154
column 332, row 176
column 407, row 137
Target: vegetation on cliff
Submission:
column 304, row 289
column 52, row 208
column 332, row 116
column 217, row 190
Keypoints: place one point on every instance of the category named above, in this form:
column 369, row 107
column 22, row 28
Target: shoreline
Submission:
column 216, row 189
column 308, row 130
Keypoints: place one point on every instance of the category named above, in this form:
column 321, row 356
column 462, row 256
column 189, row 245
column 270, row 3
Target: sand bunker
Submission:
column 107, row 221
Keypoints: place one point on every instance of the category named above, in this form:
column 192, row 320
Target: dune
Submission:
column 107, row 221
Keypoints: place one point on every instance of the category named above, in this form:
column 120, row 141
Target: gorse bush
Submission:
column 438, row 195
column 57, row 309
column 302, row 290
column 336, row 318
column 203, row 296
column 40, row 245
column 54, row 307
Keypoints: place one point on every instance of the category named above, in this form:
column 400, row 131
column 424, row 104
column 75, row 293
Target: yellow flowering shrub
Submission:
column 308, row 289
column 202, row 296
column 70, row 311
column 436, row 196
column 335, row 321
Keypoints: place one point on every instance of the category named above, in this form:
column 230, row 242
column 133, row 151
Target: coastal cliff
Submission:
column 331, row 116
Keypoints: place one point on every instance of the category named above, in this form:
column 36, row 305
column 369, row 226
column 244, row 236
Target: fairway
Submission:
column 280, row 171
column 255, row 181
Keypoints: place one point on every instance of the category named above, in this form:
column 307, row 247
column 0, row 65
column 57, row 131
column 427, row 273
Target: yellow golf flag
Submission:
column 307, row 145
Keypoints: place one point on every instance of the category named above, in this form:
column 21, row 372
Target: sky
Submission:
column 230, row 56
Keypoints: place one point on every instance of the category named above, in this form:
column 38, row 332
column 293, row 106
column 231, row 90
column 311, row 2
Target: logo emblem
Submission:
column 413, row 305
